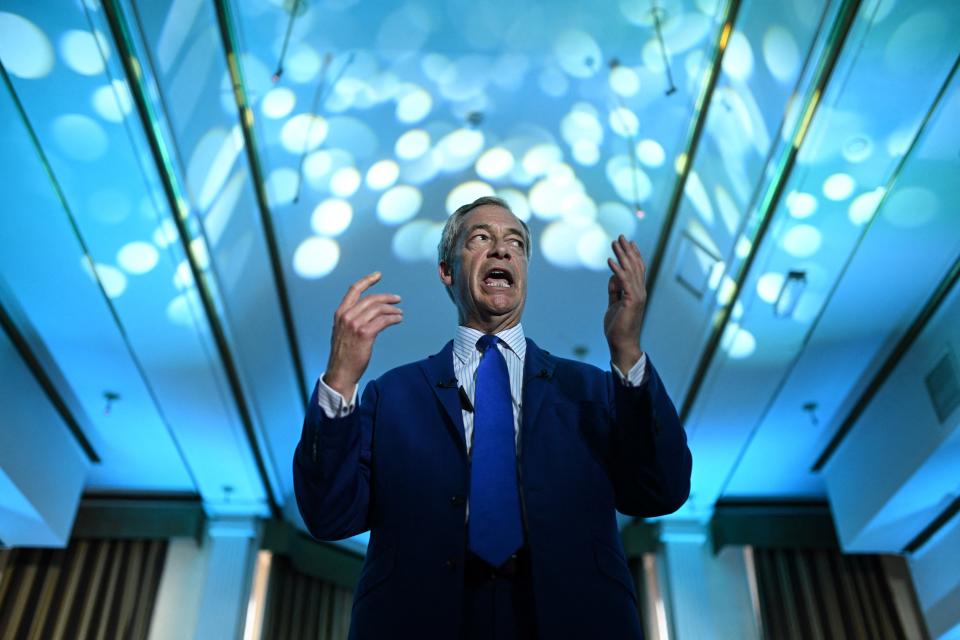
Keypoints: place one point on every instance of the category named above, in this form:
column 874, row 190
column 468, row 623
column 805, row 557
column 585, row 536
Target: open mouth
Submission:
column 498, row 279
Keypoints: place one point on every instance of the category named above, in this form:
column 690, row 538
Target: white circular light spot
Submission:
column 651, row 153
column 624, row 81
column 344, row 182
column 80, row 137
column 559, row 242
column 112, row 280
column 781, row 54
column 182, row 276
column 578, row 54
column 281, row 186
column 302, row 64
column 457, row 149
column 316, row 257
column 839, row 186
column 467, row 192
column 494, row 163
column 585, row 153
column 769, row 286
column 24, row 49
column 414, row 106
column 616, row 219
column 382, row 175
column 581, row 125
column 317, row 165
column 331, row 217
column 743, row 247
column 399, row 204
column 412, row 144
column 738, row 58
column 278, row 103
column 408, row 241
column 738, row 342
column 138, row 257
column 593, row 248
column 624, row 122
column 800, row 204
column 539, row 159
column 802, row 241
column 81, row 51
column 864, row 206
column 113, row 101
column 303, row 132
column 631, row 183
column 517, row 202
column 552, row 82
column 184, row 308
column 165, row 234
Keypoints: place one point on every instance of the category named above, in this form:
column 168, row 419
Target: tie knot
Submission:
column 486, row 341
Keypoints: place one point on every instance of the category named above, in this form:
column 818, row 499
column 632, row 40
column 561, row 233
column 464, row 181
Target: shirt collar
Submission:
column 465, row 341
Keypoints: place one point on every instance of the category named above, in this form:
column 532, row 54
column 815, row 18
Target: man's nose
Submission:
column 501, row 249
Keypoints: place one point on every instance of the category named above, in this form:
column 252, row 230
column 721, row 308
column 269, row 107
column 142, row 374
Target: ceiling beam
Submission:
column 153, row 517
column 694, row 134
column 246, row 118
column 176, row 203
column 773, row 524
column 774, row 192
column 919, row 322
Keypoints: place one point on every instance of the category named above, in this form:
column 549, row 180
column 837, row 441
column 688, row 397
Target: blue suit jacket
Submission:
column 398, row 466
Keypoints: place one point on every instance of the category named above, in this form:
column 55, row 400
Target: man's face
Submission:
column 489, row 271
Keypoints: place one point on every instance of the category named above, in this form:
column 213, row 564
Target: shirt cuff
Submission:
column 333, row 404
column 637, row 374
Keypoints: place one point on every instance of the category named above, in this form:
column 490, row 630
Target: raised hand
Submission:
column 627, row 299
column 356, row 324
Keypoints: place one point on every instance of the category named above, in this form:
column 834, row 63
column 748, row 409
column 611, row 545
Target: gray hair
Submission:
column 454, row 227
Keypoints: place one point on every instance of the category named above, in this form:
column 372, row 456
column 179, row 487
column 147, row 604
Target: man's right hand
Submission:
column 356, row 325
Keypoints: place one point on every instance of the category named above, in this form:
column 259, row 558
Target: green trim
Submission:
column 771, row 198
column 318, row 559
column 139, row 518
column 640, row 537
column 694, row 134
column 245, row 117
column 767, row 524
column 178, row 209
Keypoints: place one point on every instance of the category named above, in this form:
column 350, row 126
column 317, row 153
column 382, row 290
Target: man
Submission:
column 485, row 524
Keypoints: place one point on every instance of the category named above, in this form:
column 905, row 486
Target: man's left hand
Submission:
column 627, row 299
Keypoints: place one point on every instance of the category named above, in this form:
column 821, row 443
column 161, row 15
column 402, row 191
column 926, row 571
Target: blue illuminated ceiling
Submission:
column 191, row 186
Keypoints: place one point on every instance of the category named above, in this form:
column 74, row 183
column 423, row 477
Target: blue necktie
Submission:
column 495, row 530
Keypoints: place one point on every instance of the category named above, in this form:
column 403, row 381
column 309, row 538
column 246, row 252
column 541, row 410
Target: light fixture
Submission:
column 793, row 286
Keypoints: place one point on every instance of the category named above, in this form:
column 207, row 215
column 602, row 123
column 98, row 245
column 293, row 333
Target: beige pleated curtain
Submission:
column 94, row 589
column 301, row 607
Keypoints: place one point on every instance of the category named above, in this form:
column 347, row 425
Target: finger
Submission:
column 360, row 307
column 639, row 257
column 375, row 311
column 358, row 287
column 620, row 250
column 385, row 321
column 631, row 253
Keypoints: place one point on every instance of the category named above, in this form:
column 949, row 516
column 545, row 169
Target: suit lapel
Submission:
column 438, row 370
column 538, row 369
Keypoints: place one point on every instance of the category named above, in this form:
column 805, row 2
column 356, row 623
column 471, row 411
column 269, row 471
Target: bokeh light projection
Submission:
column 802, row 240
column 316, row 257
column 81, row 51
column 25, row 49
column 839, row 186
column 399, row 204
column 332, row 217
column 138, row 257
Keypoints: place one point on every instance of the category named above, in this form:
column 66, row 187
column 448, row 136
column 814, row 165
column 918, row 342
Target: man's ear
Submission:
column 446, row 273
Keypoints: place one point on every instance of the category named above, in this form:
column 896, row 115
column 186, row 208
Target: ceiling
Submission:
column 191, row 186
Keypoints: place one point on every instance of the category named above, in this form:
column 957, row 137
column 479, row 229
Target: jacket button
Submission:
column 450, row 563
column 457, row 500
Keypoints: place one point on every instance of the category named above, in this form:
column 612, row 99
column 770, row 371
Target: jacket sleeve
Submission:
column 651, row 460
column 331, row 469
